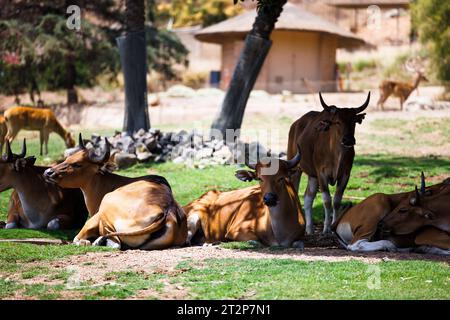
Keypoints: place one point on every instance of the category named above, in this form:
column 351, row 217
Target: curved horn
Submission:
column 24, row 149
column 422, row 183
column 322, row 102
column 104, row 157
column 294, row 161
column 416, row 200
column 8, row 156
column 364, row 106
column 80, row 142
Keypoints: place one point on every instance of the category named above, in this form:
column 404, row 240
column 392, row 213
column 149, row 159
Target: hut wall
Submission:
column 298, row 61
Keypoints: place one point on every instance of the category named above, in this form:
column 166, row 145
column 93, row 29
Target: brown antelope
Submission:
column 43, row 120
column 401, row 90
column 326, row 139
column 92, row 174
column 127, row 212
column 44, row 205
column 269, row 212
column 398, row 221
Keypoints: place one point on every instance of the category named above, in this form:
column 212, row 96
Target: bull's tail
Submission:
column 157, row 224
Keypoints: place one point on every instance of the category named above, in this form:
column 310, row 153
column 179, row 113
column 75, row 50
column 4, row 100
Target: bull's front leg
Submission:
column 326, row 198
column 310, row 194
column 337, row 199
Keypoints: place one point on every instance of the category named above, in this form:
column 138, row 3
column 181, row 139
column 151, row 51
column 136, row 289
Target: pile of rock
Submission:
column 192, row 149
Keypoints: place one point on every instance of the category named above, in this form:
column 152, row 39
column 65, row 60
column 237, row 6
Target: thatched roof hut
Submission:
column 304, row 48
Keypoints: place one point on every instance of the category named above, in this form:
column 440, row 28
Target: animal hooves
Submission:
column 53, row 224
column 298, row 245
column 82, row 242
column 2, row 224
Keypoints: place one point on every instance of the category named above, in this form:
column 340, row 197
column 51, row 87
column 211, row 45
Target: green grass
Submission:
column 265, row 279
column 290, row 279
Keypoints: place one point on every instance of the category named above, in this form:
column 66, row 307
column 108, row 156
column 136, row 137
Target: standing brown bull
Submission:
column 326, row 139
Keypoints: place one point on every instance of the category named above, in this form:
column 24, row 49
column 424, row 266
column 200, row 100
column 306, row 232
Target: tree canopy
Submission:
column 431, row 19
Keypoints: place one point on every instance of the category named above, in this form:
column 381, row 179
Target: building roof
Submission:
column 358, row 4
column 292, row 19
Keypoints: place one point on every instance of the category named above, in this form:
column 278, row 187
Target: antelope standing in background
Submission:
column 402, row 90
column 43, row 120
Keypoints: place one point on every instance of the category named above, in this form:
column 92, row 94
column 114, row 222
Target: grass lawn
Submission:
column 235, row 278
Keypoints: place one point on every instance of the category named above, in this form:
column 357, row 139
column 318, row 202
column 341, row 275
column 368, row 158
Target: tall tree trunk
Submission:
column 133, row 55
column 251, row 59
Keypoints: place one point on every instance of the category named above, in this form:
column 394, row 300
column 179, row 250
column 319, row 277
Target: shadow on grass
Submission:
column 66, row 235
column 395, row 167
column 330, row 254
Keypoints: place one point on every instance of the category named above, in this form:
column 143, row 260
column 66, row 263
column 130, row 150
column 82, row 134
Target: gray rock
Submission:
column 144, row 156
column 125, row 160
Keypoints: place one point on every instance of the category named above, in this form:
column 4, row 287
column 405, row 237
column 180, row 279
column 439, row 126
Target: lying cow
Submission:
column 269, row 212
column 358, row 228
column 92, row 174
column 421, row 212
column 44, row 205
column 125, row 212
column 327, row 140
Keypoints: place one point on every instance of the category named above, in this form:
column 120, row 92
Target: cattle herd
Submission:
column 142, row 213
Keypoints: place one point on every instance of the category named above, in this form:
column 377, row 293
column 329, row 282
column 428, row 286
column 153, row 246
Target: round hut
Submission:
column 303, row 54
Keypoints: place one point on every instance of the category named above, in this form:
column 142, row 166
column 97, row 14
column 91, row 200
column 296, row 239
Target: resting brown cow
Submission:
column 363, row 227
column 269, row 212
column 140, row 215
column 44, row 205
column 126, row 212
column 92, row 174
column 326, row 139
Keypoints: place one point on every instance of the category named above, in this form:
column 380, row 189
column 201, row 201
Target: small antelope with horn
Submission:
column 402, row 90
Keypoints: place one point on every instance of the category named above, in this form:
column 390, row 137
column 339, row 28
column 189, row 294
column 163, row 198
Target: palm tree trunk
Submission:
column 133, row 55
column 256, row 47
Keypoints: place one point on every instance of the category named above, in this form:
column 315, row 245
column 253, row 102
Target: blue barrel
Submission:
column 214, row 78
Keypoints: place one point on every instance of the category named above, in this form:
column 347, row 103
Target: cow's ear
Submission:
column 323, row 125
column 360, row 117
column 245, row 175
column 21, row 163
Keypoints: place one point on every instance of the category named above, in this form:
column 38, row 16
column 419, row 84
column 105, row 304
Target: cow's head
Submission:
column 274, row 187
column 78, row 168
column 11, row 165
column 70, row 142
column 341, row 122
column 422, row 208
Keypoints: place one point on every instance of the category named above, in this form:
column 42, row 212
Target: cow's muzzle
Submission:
column 348, row 141
column 50, row 175
column 270, row 199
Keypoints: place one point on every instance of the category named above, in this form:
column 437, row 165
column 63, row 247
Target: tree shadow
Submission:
column 396, row 167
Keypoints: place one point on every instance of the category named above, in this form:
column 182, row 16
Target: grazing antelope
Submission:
column 44, row 205
column 326, row 139
column 138, row 213
column 402, row 90
column 269, row 212
column 43, row 120
column 399, row 221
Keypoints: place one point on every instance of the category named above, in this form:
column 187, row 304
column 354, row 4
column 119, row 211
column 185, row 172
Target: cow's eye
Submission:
column 428, row 215
column 76, row 165
column 403, row 210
